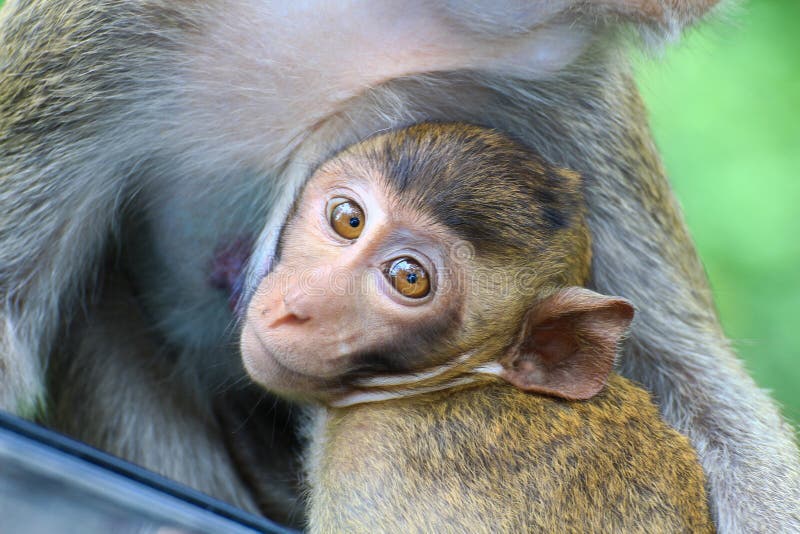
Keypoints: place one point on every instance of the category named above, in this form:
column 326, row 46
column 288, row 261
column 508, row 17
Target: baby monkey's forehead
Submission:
column 479, row 184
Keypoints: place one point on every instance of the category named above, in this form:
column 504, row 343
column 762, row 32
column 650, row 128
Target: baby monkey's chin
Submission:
column 266, row 368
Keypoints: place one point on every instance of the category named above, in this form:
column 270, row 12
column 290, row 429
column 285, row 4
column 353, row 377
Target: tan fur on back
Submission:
column 494, row 459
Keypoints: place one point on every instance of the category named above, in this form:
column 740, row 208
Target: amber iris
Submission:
column 409, row 278
column 347, row 219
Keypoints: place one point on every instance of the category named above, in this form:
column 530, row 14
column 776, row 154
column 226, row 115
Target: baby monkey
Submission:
column 427, row 292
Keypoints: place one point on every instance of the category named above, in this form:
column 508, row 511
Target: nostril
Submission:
column 288, row 319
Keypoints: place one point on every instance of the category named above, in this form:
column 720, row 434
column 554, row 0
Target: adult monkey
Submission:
column 140, row 139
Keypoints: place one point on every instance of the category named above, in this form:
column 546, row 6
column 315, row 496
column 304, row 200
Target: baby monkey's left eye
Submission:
column 409, row 278
column 347, row 219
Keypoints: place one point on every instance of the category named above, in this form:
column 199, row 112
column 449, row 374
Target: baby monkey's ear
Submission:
column 567, row 344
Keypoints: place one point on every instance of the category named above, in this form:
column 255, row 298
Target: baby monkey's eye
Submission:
column 347, row 218
column 409, row 278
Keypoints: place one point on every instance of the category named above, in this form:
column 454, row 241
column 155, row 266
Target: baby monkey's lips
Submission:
column 275, row 373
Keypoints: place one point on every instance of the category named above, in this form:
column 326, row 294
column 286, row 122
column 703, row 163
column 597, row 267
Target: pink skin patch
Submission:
column 226, row 271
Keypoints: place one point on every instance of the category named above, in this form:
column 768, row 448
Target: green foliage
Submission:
column 724, row 108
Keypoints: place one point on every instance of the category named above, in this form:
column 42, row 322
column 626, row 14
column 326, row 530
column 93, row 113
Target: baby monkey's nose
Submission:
column 287, row 313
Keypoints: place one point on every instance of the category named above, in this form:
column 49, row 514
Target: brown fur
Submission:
column 494, row 459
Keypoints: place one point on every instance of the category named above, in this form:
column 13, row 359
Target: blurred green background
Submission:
column 725, row 110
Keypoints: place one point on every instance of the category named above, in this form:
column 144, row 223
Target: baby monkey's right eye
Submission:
column 347, row 218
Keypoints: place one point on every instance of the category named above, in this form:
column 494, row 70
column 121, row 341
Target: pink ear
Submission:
column 567, row 344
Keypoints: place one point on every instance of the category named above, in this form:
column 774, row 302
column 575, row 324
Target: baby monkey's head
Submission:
column 431, row 257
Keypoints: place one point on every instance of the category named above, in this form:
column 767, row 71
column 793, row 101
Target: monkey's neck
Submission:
column 466, row 369
column 363, row 397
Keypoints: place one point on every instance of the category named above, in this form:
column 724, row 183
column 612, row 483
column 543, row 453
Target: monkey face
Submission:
column 363, row 284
